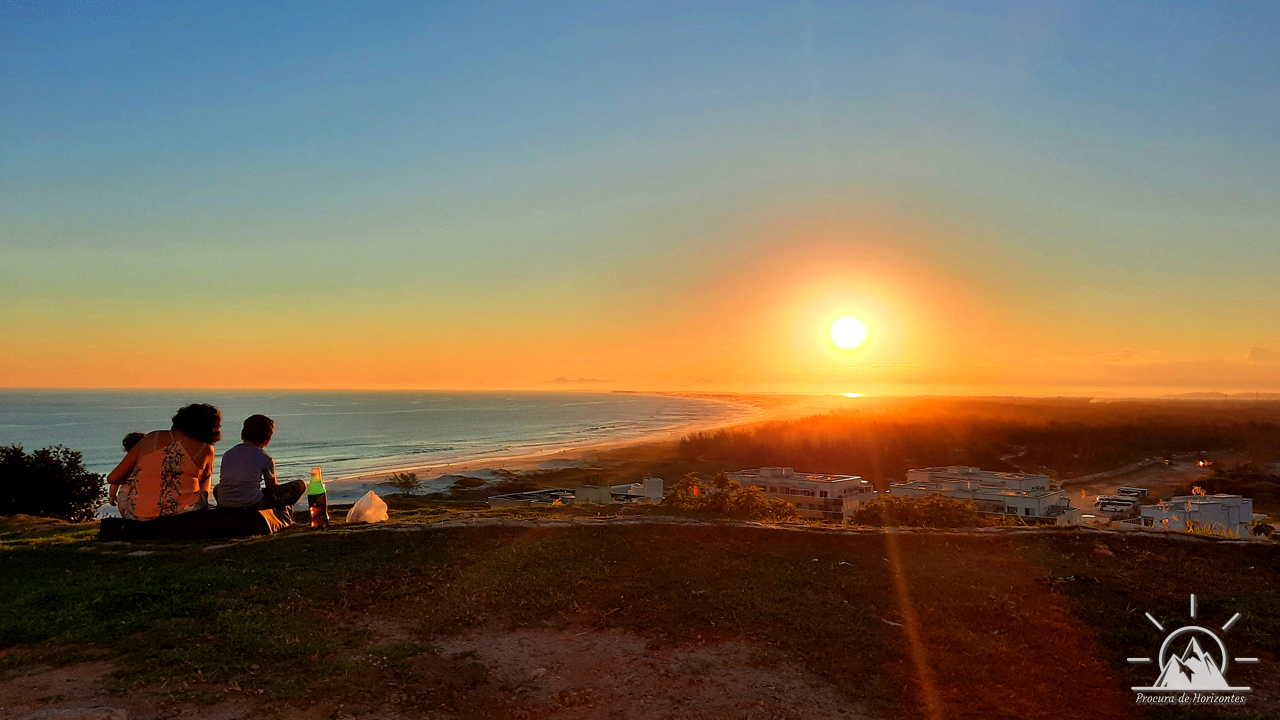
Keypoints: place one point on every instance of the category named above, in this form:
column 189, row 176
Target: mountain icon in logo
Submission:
column 1195, row 670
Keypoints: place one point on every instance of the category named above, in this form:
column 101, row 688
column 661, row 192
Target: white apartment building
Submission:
column 816, row 496
column 1225, row 513
column 650, row 488
column 1023, row 494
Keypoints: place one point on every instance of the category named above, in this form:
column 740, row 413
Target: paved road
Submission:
column 1159, row 478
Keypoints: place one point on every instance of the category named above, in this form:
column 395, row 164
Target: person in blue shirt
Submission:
column 248, row 476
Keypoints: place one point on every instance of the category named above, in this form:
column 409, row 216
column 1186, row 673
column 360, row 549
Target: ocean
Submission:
column 352, row 433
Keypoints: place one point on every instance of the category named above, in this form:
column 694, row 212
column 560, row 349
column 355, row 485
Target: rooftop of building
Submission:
column 1216, row 499
column 990, row 489
column 565, row 495
column 789, row 474
column 966, row 470
column 549, row 495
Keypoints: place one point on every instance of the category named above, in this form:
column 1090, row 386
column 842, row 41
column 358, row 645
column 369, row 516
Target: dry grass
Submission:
column 1011, row 626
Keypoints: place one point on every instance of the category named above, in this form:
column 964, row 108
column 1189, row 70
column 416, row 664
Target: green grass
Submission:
column 292, row 604
column 1111, row 594
column 184, row 612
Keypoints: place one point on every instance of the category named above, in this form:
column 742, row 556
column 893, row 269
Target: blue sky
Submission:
column 1108, row 170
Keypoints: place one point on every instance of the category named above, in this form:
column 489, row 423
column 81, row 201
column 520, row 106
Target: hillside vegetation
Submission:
column 884, row 437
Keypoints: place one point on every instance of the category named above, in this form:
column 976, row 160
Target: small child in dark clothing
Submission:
column 127, row 443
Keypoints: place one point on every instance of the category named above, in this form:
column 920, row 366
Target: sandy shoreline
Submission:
column 436, row 477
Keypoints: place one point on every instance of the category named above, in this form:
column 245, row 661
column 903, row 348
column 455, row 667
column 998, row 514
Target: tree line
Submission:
column 1066, row 437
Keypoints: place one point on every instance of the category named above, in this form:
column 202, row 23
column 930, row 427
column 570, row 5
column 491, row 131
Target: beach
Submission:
column 491, row 466
column 739, row 409
column 359, row 438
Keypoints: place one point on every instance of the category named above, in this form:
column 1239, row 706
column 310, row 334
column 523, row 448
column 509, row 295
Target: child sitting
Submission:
column 247, row 465
column 131, row 439
column 127, row 443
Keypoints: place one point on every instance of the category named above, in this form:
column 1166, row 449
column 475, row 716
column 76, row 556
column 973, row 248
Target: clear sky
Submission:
column 1028, row 198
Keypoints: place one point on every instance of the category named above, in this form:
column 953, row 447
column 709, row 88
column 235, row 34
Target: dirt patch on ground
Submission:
column 999, row 643
column 525, row 674
column 383, row 625
column 42, row 687
column 79, row 691
column 1159, row 479
column 46, row 688
column 613, row 675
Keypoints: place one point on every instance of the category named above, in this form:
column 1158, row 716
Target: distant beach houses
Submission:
column 1032, row 498
column 1230, row 514
column 1029, row 495
column 816, row 496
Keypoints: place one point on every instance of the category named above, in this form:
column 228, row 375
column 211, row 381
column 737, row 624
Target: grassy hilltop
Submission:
column 642, row 612
column 893, row 625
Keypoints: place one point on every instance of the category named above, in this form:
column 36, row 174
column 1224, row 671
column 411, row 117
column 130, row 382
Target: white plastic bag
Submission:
column 368, row 509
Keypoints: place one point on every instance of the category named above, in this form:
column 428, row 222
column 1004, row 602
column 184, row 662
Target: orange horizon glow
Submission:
column 761, row 321
column 631, row 199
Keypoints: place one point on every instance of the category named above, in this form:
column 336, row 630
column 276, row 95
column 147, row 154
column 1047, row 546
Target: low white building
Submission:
column 818, row 496
column 1025, row 494
column 1224, row 513
column 650, row 487
column 649, row 490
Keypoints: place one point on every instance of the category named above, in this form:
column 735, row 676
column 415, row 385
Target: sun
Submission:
column 848, row 332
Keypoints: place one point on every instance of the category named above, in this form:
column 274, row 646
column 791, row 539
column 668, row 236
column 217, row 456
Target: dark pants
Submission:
column 198, row 525
column 284, row 495
column 281, row 499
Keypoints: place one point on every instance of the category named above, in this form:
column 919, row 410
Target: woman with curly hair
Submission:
column 169, row 471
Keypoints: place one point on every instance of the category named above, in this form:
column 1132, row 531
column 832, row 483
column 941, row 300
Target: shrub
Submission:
column 465, row 483
column 1214, row 529
column 405, row 482
column 932, row 511
column 51, row 482
column 723, row 496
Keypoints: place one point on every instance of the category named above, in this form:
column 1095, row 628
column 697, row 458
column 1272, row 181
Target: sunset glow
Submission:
column 726, row 304
column 848, row 332
column 688, row 214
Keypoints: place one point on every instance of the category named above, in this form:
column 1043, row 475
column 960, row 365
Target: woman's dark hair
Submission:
column 130, row 440
column 199, row 422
